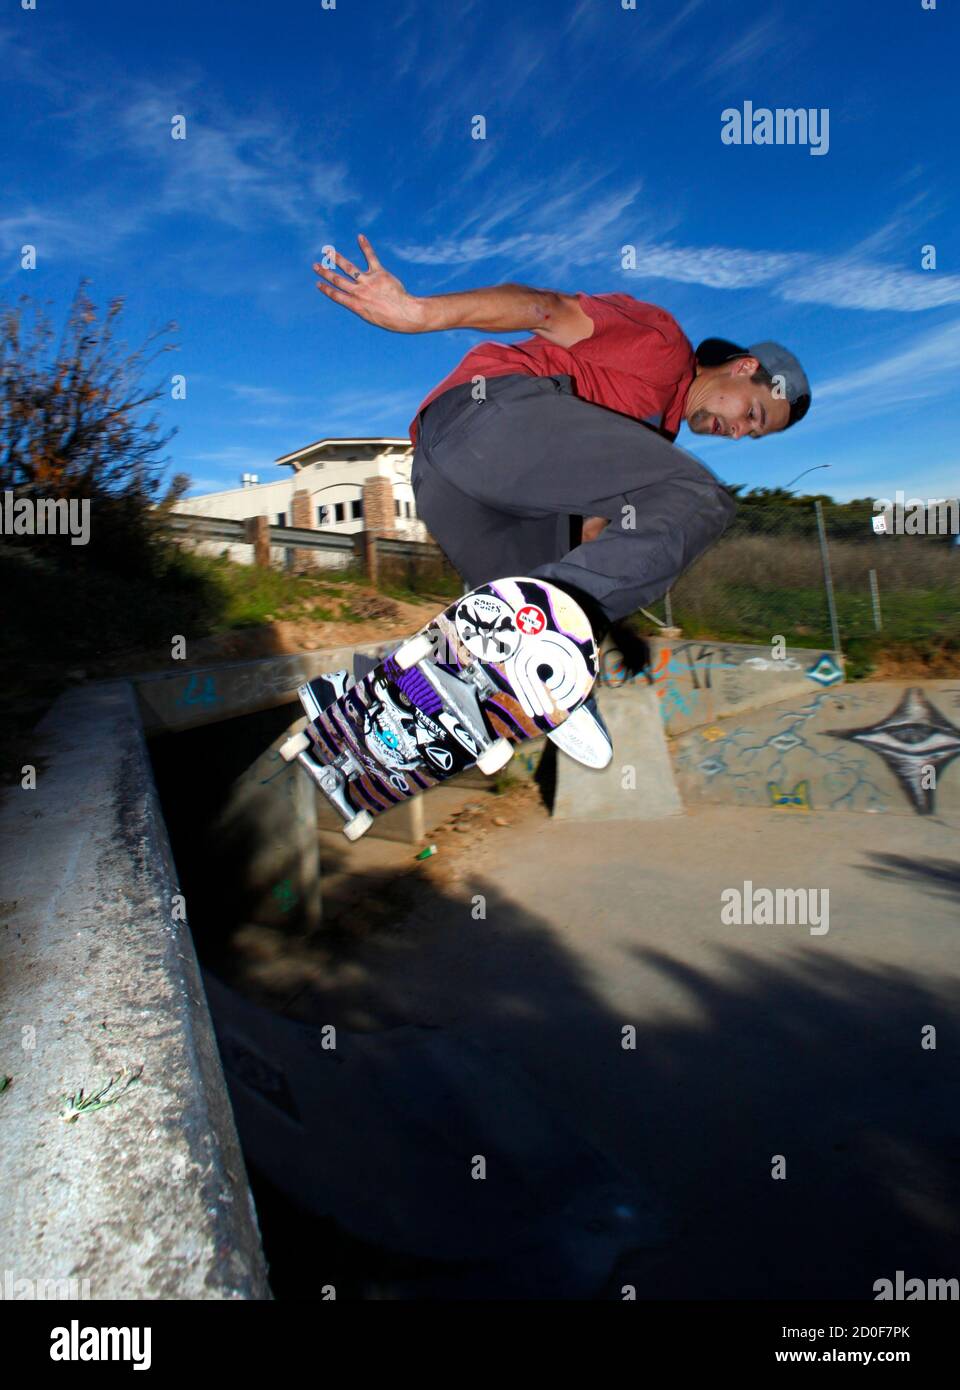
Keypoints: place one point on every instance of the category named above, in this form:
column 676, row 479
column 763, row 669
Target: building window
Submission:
column 323, row 516
column 356, row 511
column 407, row 506
column 396, row 508
column 339, row 511
column 281, row 518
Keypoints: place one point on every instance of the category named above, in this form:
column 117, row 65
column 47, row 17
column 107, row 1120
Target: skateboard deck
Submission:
column 504, row 663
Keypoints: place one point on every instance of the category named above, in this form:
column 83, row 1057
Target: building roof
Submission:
column 294, row 458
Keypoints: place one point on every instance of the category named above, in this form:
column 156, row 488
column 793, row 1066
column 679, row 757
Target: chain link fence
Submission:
column 816, row 572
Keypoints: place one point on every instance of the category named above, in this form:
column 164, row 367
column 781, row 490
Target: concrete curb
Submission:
column 189, row 696
column 146, row 1198
column 639, row 783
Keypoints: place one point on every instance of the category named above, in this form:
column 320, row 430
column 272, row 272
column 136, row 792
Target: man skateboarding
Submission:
column 553, row 457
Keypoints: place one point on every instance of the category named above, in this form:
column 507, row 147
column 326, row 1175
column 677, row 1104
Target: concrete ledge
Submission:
column 146, row 1198
column 696, row 681
column 700, row 680
column 639, row 783
column 186, row 698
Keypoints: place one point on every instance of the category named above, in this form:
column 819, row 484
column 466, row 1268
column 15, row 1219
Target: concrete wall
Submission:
column 699, row 680
column 685, row 685
column 146, row 1198
column 184, row 699
column 177, row 701
column 639, row 783
column 885, row 746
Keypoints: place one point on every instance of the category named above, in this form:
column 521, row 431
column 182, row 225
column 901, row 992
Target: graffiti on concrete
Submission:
column 796, row 800
column 698, row 678
column 192, row 693
column 285, row 895
column 678, row 674
column 210, row 694
column 914, row 740
column 825, row 671
column 770, row 663
column 755, row 770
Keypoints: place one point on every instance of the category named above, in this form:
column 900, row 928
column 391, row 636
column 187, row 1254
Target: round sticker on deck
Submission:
column 487, row 627
column 531, row 620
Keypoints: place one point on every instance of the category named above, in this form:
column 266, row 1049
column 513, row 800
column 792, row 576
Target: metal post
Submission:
column 875, row 596
column 827, row 576
column 668, row 609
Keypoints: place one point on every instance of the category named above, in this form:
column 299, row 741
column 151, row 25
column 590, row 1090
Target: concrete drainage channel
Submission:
column 354, row 1120
column 166, row 796
column 116, row 1116
column 309, row 1102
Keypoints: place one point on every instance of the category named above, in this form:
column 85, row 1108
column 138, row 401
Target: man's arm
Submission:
column 510, row 309
column 378, row 297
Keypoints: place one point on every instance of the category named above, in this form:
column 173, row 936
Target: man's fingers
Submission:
column 336, row 279
column 349, row 302
column 346, row 265
column 368, row 251
column 337, row 295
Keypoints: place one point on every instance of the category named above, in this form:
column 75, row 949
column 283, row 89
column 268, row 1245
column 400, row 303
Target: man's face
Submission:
column 724, row 401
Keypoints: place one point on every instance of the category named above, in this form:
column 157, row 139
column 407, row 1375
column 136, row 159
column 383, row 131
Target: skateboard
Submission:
column 504, row 663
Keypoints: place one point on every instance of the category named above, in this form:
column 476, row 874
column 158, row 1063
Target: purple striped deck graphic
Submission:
column 534, row 644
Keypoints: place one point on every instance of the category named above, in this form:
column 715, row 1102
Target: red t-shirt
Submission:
column 637, row 361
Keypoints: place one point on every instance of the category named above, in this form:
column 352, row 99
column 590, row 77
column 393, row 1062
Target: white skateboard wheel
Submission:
column 294, row 746
column 495, row 757
column 417, row 649
column 360, row 824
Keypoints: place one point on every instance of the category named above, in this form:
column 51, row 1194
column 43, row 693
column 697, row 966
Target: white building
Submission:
column 329, row 477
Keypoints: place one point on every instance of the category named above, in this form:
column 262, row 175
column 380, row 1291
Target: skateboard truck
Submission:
column 494, row 753
column 334, row 778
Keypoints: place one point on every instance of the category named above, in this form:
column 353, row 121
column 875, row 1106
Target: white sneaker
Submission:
column 584, row 737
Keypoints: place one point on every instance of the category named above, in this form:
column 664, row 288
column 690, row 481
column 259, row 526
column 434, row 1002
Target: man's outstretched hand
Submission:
column 373, row 294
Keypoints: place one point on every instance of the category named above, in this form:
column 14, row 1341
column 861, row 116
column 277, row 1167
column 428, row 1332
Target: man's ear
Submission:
column 744, row 366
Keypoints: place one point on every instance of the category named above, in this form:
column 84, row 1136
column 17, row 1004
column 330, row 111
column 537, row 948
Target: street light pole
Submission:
column 808, row 470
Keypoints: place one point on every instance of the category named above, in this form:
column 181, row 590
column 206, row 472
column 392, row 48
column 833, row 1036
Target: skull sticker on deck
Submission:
column 487, row 628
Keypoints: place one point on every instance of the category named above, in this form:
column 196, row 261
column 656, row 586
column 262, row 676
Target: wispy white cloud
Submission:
column 244, row 169
column 571, row 230
column 264, row 395
column 642, row 42
column 235, row 455
column 907, row 221
column 84, row 231
column 767, row 41
column 925, row 368
column 240, row 169
column 569, row 226
column 717, row 267
column 363, row 412
column 847, row 284
column 843, row 282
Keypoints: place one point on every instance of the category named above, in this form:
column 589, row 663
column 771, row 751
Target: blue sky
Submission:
column 305, row 126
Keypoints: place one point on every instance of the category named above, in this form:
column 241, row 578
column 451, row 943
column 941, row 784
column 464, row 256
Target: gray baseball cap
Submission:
column 774, row 358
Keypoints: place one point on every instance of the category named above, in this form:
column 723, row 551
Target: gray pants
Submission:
column 498, row 483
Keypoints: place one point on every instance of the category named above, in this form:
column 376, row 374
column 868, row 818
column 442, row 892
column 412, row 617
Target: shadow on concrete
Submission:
column 939, row 877
column 649, row 1166
column 196, row 771
column 821, row 1061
